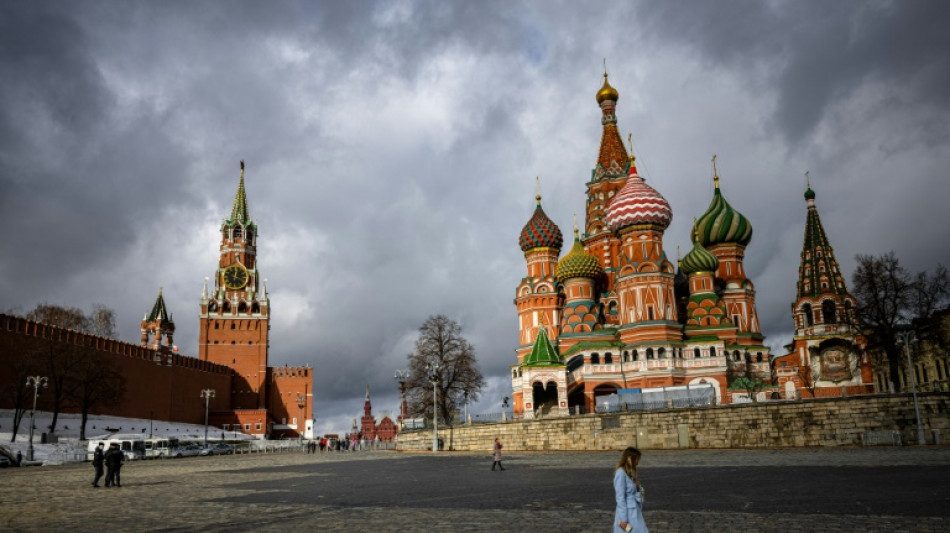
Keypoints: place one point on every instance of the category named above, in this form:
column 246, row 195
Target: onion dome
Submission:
column 578, row 263
column 721, row 223
column 540, row 231
column 809, row 194
column 638, row 204
column 698, row 259
column 607, row 92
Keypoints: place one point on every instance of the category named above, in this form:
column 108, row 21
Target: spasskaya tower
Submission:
column 235, row 314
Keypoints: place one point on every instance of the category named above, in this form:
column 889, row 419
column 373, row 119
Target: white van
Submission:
column 133, row 446
column 159, row 447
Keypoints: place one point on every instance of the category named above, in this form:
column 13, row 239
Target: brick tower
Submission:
column 235, row 314
column 828, row 356
column 158, row 325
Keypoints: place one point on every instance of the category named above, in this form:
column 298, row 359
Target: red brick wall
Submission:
column 161, row 387
column 285, row 385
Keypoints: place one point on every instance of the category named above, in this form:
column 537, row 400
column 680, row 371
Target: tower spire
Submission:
column 715, row 172
column 537, row 189
column 818, row 273
column 612, row 159
column 239, row 210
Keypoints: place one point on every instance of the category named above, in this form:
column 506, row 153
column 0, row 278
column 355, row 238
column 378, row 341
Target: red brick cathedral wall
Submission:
column 161, row 387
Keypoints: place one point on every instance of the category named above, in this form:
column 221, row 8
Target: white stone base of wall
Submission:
column 774, row 424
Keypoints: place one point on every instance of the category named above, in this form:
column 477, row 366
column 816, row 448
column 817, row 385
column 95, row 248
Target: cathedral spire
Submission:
column 239, row 212
column 612, row 159
column 818, row 273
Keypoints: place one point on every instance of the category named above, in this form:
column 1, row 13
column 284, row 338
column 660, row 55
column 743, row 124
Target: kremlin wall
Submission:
column 160, row 386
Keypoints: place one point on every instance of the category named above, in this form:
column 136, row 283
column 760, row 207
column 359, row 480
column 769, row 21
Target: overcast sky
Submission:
column 392, row 149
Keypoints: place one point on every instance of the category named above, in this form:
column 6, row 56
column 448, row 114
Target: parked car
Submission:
column 5, row 461
column 187, row 451
column 221, row 448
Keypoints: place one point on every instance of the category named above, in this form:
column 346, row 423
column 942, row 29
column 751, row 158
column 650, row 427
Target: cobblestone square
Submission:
column 881, row 489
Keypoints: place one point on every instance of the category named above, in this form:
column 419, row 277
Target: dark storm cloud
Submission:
column 816, row 53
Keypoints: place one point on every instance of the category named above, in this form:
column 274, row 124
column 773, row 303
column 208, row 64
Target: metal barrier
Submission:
column 881, row 437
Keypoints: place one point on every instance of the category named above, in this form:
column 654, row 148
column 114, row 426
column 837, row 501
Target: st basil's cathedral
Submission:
column 616, row 315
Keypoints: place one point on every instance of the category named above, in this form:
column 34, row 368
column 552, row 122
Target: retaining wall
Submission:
column 815, row 422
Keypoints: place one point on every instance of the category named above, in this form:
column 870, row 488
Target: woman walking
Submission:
column 496, row 453
column 629, row 494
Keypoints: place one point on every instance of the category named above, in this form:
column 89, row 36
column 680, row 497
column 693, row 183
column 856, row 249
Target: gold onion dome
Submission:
column 540, row 231
column 578, row 263
column 698, row 259
column 721, row 223
column 607, row 92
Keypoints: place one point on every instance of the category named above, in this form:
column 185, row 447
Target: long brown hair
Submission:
column 629, row 460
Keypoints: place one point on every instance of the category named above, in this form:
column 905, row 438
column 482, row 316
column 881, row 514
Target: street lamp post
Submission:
column 36, row 382
column 906, row 338
column 207, row 394
column 433, row 369
column 401, row 377
column 301, row 403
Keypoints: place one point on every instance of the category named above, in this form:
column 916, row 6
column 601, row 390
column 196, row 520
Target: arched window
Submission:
column 735, row 355
column 809, row 318
column 595, row 358
column 608, row 358
column 649, row 353
column 661, row 353
column 626, row 356
column 758, row 357
column 636, row 356
column 237, row 232
column 612, row 308
column 242, row 307
column 712, row 351
column 696, row 353
column 828, row 312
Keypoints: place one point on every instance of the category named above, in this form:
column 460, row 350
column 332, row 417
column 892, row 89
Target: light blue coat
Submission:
column 629, row 504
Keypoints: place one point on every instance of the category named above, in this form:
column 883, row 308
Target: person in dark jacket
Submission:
column 97, row 459
column 113, row 459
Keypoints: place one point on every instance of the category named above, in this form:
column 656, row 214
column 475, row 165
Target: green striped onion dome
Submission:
column 540, row 232
column 699, row 259
column 578, row 264
column 723, row 224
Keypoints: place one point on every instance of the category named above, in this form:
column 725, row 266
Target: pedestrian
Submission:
column 113, row 459
column 629, row 494
column 19, row 457
column 97, row 459
column 496, row 454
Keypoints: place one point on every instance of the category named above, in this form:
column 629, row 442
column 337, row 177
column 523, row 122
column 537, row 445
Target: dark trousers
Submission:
column 497, row 463
column 98, row 468
column 112, row 476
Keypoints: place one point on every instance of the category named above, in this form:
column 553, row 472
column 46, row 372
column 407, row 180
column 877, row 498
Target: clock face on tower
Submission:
column 235, row 277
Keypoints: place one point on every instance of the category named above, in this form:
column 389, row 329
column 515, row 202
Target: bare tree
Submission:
column 807, row 376
column 891, row 299
column 59, row 359
column 94, row 383
column 23, row 362
column 441, row 343
column 64, row 317
column 102, row 321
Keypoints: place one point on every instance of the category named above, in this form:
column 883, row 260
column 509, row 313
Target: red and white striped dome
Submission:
column 638, row 203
